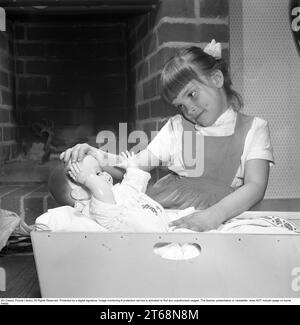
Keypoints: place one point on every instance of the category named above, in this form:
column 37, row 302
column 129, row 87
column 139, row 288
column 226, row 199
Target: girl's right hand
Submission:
column 77, row 153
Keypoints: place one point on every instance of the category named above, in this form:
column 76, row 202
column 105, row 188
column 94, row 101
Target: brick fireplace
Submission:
column 81, row 66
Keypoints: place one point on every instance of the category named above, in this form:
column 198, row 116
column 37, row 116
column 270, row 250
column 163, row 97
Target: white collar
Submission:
column 223, row 126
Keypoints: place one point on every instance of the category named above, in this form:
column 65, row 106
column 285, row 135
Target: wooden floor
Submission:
column 21, row 277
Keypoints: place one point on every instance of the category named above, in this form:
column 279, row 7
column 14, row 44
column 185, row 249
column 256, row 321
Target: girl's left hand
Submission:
column 199, row 221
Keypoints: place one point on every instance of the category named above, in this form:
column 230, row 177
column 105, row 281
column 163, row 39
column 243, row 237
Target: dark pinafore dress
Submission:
column 222, row 157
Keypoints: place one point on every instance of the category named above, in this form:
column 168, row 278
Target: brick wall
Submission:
column 7, row 103
column 76, row 73
column 154, row 38
column 71, row 72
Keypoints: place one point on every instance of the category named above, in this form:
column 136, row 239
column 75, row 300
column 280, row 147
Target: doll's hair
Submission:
column 59, row 186
column 189, row 64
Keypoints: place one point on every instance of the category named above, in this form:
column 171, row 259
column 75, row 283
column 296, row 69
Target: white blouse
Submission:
column 167, row 145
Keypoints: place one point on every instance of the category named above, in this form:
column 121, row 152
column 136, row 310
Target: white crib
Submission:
column 115, row 265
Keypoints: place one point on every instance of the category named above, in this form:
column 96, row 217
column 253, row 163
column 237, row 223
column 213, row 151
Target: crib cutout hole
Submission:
column 177, row 251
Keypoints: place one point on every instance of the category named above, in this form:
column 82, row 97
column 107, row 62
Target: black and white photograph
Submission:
column 149, row 154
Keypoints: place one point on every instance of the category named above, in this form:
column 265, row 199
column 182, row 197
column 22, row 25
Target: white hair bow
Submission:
column 214, row 49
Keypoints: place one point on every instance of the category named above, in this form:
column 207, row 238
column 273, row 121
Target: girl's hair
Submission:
column 190, row 63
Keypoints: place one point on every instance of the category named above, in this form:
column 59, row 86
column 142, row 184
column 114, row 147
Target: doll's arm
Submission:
column 100, row 189
column 134, row 177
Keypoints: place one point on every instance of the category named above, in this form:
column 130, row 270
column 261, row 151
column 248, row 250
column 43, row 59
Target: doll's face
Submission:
column 90, row 164
column 79, row 192
column 106, row 177
column 201, row 103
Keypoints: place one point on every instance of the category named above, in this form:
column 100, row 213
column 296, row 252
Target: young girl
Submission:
column 236, row 148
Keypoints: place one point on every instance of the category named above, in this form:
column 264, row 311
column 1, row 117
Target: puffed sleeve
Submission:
column 258, row 143
column 162, row 146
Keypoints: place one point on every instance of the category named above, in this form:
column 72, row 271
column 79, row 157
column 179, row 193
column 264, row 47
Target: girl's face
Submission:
column 200, row 103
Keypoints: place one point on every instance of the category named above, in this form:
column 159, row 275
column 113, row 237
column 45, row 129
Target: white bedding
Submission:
column 69, row 219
